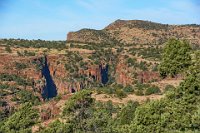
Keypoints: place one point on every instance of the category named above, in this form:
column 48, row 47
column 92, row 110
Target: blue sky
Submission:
column 53, row 19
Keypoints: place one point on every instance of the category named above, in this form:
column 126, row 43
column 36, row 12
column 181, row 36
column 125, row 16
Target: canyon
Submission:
column 112, row 60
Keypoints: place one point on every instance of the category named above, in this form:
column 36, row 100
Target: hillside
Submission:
column 137, row 32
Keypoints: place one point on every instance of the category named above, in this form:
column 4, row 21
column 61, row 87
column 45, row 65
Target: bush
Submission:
column 169, row 88
column 4, row 86
column 109, row 90
column 155, row 68
column 127, row 113
column 151, row 52
column 21, row 121
column 19, row 53
column 139, row 93
column 77, row 101
column 25, row 53
column 106, row 90
column 57, row 98
column 141, row 86
column 143, row 65
column 35, row 43
column 29, row 53
column 152, row 90
column 128, row 89
column 131, row 62
column 3, row 103
column 120, row 94
column 20, row 66
column 58, row 127
column 16, row 78
column 8, row 49
column 27, row 96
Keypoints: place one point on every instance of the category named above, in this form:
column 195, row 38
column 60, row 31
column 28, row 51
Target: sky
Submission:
column 53, row 19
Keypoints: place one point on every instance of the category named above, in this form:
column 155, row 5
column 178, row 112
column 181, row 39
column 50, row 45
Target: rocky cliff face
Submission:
column 40, row 72
column 123, row 74
column 137, row 32
column 146, row 76
column 49, row 76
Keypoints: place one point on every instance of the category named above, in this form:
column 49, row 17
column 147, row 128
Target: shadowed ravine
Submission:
column 49, row 91
column 104, row 74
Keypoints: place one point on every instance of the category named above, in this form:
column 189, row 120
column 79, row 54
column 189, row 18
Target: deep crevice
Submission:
column 49, row 90
column 104, row 74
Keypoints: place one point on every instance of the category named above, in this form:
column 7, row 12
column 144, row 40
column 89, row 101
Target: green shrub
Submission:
column 106, row 90
column 21, row 121
column 35, row 43
column 19, row 53
column 57, row 98
column 120, row 93
column 139, row 93
column 152, row 90
column 58, row 127
column 29, row 53
column 4, row 86
column 16, row 78
column 109, row 90
column 151, row 52
column 27, row 96
column 127, row 113
column 141, row 86
column 143, row 65
column 3, row 103
column 155, row 68
column 131, row 62
column 81, row 97
column 20, row 66
column 169, row 88
column 7, row 49
column 128, row 89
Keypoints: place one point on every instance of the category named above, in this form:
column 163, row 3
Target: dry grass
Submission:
column 131, row 97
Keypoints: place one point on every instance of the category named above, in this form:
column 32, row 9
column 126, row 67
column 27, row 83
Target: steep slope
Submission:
column 90, row 35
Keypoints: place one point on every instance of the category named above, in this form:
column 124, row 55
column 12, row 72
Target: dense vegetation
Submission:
column 13, row 77
column 148, row 25
column 176, row 58
column 178, row 111
column 33, row 43
column 121, row 91
column 21, row 121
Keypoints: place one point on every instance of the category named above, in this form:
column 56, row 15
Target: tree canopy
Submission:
column 176, row 58
column 21, row 121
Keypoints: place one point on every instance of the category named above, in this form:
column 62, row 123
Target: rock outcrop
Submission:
column 147, row 76
column 123, row 74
